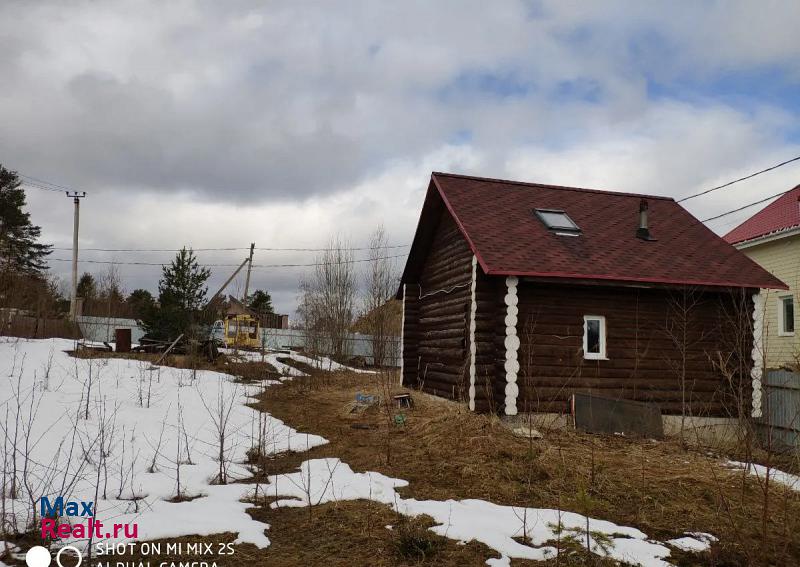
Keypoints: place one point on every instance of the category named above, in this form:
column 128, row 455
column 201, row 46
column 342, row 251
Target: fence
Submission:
column 356, row 344
column 102, row 329
column 37, row 328
column 780, row 425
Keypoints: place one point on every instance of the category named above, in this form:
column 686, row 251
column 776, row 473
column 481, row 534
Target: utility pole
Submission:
column 247, row 279
column 76, row 197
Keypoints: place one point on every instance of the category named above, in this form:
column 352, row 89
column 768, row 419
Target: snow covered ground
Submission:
column 325, row 363
column 760, row 472
column 320, row 362
column 134, row 437
column 329, row 480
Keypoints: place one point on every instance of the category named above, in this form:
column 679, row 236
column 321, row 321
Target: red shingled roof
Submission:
column 496, row 218
column 781, row 214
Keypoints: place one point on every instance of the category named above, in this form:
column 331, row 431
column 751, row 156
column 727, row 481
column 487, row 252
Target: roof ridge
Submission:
column 549, row 186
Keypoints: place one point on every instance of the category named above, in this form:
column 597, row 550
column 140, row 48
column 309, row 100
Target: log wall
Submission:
column 650, row 358
column 489, row 305
column 437, row 312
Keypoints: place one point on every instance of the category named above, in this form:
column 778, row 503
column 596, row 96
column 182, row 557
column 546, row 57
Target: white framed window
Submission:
column 594, row 337
column 786, row 316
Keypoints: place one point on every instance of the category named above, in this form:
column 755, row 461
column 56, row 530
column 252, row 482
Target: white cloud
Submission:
column 217, row 124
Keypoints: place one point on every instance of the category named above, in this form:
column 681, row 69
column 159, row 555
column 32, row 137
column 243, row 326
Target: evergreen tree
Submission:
column 141, row 302
column 87, row 286
column 260, row 301
column 181, row 295
column 20, row 251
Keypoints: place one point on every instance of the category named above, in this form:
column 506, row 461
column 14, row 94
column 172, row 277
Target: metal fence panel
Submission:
column 357, row 344
column 101, row 329
column 780, row 426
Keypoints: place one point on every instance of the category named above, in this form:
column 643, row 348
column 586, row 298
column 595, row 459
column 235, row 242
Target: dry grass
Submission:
column 445, row 451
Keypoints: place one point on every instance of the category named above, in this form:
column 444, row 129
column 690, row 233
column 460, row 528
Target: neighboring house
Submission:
column 517, row 295
column 235, row 307
column 771, row 237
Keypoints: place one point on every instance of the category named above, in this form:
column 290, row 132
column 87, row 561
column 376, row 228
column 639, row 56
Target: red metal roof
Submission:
column 781, row 214
column 496, row 217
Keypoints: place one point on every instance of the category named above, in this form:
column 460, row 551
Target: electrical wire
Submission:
column 35, row 186
column 231, row 249
column 31, row 181
column 224, row 265
column 753, row 204
column 729, row 183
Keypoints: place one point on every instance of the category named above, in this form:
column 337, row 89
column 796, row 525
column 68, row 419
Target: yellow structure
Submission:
column 780, row 255
column 242, row 331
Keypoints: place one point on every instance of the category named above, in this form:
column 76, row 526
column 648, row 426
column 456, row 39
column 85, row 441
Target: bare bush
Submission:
column 220, row 413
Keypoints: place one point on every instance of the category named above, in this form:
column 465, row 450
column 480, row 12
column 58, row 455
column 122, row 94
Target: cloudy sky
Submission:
column 216, row 124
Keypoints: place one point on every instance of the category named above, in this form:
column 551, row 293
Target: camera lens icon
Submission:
column 39, row 556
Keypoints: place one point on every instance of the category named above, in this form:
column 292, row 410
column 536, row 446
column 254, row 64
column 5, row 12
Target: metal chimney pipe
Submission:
column 643, row 231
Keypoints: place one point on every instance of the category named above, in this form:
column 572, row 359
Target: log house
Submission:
column 517, row 295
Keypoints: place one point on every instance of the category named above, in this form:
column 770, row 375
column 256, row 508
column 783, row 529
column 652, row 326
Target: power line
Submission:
column 234, row 249
column 725, row 214
column 738, row 180
column 226, row 265
column 43, row 184
column 154, row 249
column 35, row 186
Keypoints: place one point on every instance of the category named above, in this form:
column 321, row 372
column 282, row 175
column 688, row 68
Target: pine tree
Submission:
column 20, row 251
column 140, row 302
column 181, row 295
column 87, row 286
column 260, row 301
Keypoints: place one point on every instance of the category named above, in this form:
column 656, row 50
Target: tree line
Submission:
column 334, row 300
column 26, row 283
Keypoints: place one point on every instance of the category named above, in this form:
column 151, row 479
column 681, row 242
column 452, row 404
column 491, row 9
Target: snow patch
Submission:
column 328, row 480
column 325, row 363
column 759, row 471
column 695, row 542
column 318, row 362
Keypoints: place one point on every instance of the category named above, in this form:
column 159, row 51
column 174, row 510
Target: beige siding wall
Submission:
column 782, row 258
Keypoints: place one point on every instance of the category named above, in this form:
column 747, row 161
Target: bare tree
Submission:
column 682, row 328
column 328, row 298
column 380, row 285
column 220, row 414
column 108, row 297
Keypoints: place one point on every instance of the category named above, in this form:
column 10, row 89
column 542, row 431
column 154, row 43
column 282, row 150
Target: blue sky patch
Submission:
column 497, row 85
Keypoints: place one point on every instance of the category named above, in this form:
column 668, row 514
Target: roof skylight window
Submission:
column 557, row 221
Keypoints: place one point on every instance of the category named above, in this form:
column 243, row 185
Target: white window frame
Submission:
column 602, row 355
column 781, row 326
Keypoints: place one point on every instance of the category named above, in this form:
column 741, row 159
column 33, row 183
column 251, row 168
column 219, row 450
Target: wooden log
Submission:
column 439, row 310
column 442, row 319
column 448, row 333
column 613, row 393
column 447, row 280
column 459, row 297
column 455, row 343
